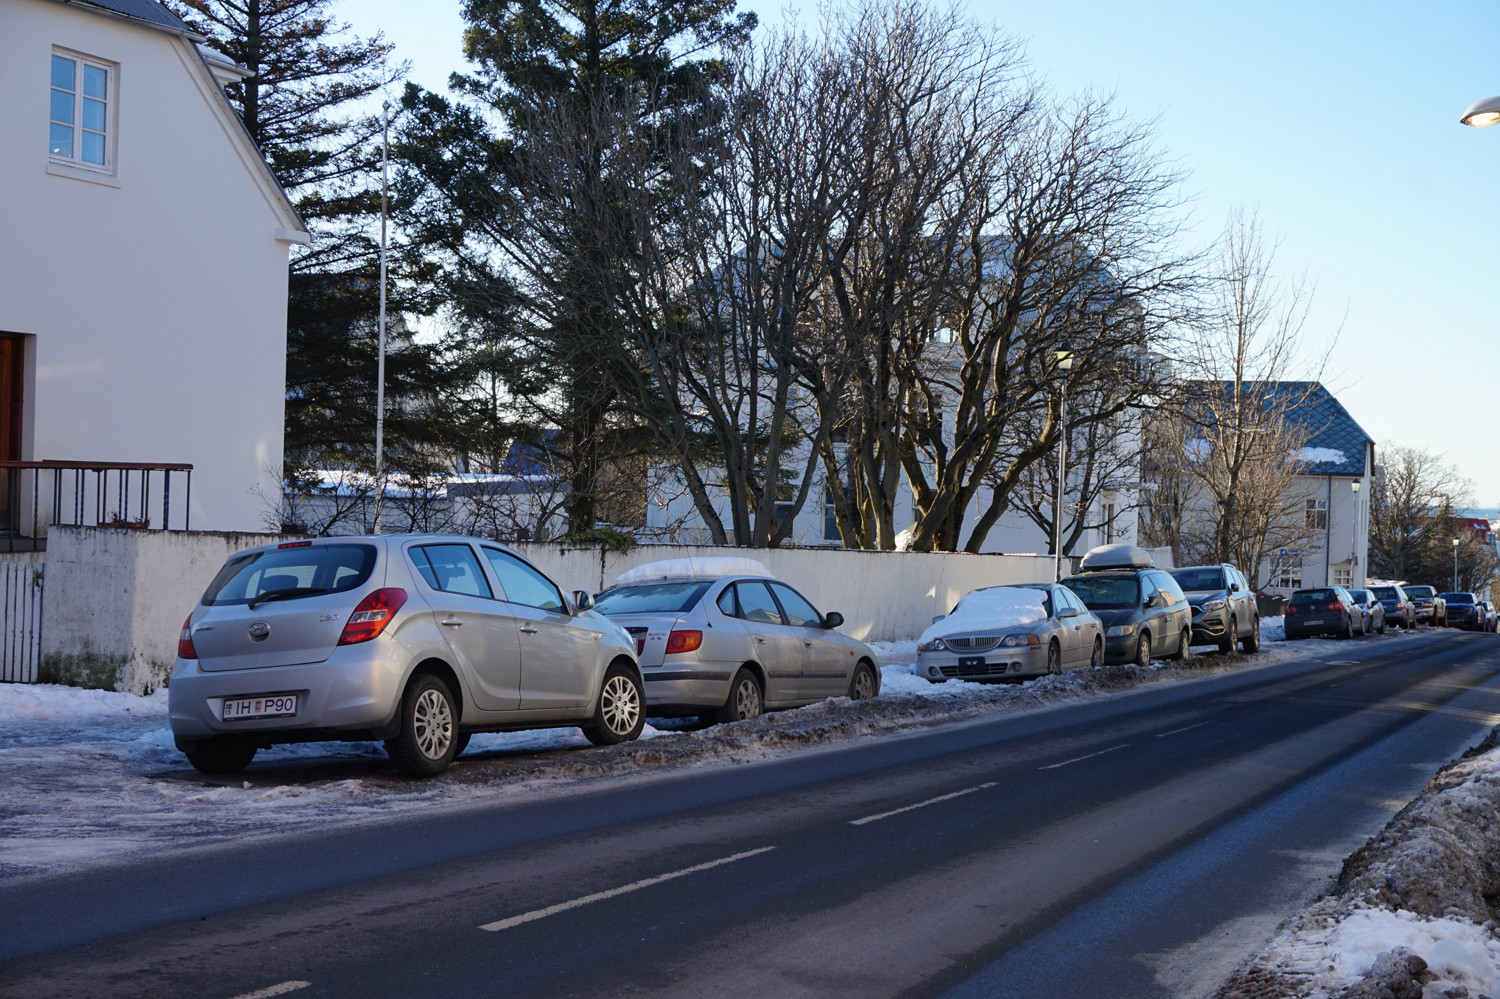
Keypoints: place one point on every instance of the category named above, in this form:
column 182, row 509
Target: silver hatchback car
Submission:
column 721, row 637
column 415, row 640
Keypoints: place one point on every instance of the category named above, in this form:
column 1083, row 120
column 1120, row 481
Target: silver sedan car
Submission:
column 416, row 640
column 721, row 637
column 1002, row 633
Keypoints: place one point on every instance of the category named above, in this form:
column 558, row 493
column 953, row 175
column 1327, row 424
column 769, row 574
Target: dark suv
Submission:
column 1400, row 612
column 1327, row 610
column 1223, row 606
column 1143, row 610
column 1464, row 611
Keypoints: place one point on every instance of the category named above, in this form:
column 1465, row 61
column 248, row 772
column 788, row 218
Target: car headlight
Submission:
column 1011, row 641
column 1121, row 631
column 936, row 645
column 1213, row 605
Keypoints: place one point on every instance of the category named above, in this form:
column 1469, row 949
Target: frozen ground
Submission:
column 90, row 776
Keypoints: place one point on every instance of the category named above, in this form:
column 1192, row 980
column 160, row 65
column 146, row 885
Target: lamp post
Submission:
column 385, row 159
column 1354, row 531
column 1455, row 565
column 1064, row 355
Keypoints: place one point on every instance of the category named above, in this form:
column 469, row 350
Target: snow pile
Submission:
column 993, row 608
column 715, row 567
column 1421, row 889
column 1319, row 455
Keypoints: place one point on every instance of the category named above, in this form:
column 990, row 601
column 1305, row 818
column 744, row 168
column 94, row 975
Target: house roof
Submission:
column 1336, row 444
column 148, row 11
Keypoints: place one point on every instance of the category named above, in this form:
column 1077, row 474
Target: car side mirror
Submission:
column 1067, row 612
column 938, row 617
column 582, row 600
column 1234, row 587
column 1154, row 600
column 832, row 619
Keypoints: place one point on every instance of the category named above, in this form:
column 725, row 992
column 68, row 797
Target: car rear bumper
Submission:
column 679, row 685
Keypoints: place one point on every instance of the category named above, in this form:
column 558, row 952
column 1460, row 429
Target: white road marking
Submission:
column 921, row 804
column 552, row 910
column 1076, row 759
column 1189, row 728
column 274, row 990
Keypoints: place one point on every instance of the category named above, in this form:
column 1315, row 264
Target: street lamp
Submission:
column 385, row 159
column 1482, row 113
column 1455, row 565
column 1064, row 355
column 1354, row 531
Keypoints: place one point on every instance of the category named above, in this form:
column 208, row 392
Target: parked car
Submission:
column 1491, row 617
column 723, row 637
column 1431, row 608
column 1371, row 611
column 1143, row 610
column 1327, row 610
column 1400, row 612
column 1223, row 606
column 416, row 640
column 1463, row 611
column 1014, row 632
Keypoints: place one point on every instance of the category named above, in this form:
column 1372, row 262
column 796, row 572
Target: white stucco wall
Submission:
column 155, row 302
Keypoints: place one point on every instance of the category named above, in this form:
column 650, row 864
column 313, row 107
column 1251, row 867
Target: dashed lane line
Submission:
column 271, row 991
column 1186, row 728
column 921, row 804
column 1078, row 759
column 552, row 910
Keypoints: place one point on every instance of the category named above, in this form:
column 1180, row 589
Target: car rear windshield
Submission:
column 1421, row 591
column 1314, row 597
column 1106, row 592
column 291, row 572
column 1385, row 593
column 1458, row 598
column 650, row 598
column 1199, row 579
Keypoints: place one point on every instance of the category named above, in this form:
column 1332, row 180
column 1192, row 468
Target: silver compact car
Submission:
column 414, row 640
column 721, row 637
column 1002, row 633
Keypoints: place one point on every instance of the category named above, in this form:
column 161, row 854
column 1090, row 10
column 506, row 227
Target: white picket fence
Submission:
column 20, row 621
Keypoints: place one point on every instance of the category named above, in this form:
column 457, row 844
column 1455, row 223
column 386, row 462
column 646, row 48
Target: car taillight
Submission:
column 185, row 648
column 640, row 645
column 1291, row 609
column 372, row 615
column 684, row 641
column 1335, row 606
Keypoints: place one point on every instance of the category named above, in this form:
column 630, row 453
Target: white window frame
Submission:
column 1343, row 577
column 1289, row 576
column 110, row 101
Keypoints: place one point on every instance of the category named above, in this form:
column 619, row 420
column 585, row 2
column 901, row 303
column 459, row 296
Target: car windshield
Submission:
column 1385, row 593
column 1361, row 596
column 1199, row 579
column 1458, row 598
column 1314, row 597
column 296, row 571
column 650, row 598
column 1421, row 591
column 1106, row 592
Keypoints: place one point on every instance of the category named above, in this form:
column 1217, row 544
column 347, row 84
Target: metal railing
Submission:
column 37, row 494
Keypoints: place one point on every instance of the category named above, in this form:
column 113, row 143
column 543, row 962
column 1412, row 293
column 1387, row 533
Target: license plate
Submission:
column 1313, row 620
column 270, row 706
column 966, row 661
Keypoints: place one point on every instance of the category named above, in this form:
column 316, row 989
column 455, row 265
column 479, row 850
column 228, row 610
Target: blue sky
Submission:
column 1336, row 121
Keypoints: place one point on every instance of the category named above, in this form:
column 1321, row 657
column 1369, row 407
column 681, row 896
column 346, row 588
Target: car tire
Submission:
column 1348, row 628
column 1143, row 650
column 621, row 712
column 1250, row 644
column 1381, row 630
column 1226, row 644
column 862, row 684
column 745, row 698
column 1054, row 658
column 223, row 755
column 1096, row 659
column 427, row 738
column 1184, row 647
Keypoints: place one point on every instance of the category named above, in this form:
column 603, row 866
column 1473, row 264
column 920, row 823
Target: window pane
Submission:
column 93, row 114
column 60, row 142
column 454, row 568
column 62, row 72
column 522, row 583
column 799, row 613
column 62, row 107
column 756, row 604
column 93, row 148
column 95, row 82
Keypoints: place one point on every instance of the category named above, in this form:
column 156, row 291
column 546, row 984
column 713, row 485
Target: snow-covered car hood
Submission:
column 995, row 610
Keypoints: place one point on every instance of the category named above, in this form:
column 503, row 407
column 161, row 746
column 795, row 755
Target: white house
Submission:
column 143, row 270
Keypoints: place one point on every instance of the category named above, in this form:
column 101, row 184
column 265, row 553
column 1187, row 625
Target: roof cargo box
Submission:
column 1116, row 557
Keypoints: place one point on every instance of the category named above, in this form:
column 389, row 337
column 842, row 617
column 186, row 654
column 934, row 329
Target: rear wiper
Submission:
column 295, row 591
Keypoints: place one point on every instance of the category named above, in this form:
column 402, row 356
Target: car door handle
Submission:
column 527, row 629
column 450, row 622
column 761, row 639
column 806, row 643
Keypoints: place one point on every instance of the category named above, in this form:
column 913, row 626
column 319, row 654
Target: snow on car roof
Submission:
column 691, row 568
column 991, row 608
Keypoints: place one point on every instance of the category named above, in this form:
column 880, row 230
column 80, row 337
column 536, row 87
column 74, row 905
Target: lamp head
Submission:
column 1064, row 355
column 1354, row 485
column 1482, row 113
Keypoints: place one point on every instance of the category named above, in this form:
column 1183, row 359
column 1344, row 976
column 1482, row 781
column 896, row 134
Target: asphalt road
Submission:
column 1137, row 845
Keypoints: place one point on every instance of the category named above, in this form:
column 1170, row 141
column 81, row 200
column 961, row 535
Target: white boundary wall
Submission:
column 114, row 600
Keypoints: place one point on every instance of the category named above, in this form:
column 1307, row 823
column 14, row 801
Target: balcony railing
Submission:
column 34, row 495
